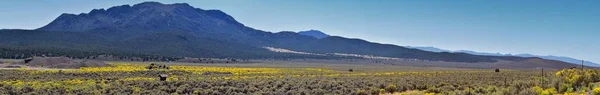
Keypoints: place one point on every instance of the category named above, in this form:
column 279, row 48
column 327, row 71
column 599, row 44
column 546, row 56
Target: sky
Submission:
column 543, row 27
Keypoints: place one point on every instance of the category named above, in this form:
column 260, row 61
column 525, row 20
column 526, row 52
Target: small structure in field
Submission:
column 350, row 70
column 163, row 77
column 497, row 70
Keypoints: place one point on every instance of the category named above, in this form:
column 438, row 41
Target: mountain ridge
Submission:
column 179, row 29
column 551, row 57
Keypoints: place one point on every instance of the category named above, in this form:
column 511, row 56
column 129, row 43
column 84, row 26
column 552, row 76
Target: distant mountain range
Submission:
column 153, row 28
column 550, row 57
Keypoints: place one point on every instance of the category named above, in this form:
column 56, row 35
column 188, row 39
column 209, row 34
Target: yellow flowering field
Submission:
column 140, row 78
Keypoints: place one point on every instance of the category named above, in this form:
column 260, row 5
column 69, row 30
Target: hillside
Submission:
column 549, row 57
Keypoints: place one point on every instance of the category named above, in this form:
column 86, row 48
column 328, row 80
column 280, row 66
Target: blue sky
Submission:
column 544, row 27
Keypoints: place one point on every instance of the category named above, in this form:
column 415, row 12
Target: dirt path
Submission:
column 3, row 67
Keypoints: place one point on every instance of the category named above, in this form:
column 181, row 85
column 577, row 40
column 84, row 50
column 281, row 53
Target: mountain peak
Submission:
column 161, row 5
column 146, row 16
column 148, row 3
column 314, row 33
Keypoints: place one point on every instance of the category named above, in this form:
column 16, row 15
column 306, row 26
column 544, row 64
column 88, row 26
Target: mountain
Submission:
column 431, row 49
column 562, row 58
column 314, row 33
column 182, row 30
column 549, row 57
column 484, row 53
column 152, row 28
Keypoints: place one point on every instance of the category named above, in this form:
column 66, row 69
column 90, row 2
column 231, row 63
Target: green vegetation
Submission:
column 21, row 53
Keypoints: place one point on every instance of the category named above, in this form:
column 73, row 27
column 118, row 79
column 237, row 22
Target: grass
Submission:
column 272, row 77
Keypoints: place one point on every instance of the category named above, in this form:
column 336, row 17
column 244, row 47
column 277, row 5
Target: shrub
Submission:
column 577, row 78
column 528, row 91
column 541, row 91
column 362, row 92
column 596, row 91
column 391, row 88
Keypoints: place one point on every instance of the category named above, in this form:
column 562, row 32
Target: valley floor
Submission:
column 308, row 77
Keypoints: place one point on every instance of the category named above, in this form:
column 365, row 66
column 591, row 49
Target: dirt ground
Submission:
column 341, row 65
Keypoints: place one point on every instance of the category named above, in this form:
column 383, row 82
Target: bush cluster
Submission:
column 305, row 83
